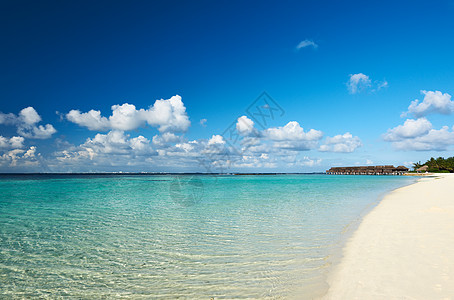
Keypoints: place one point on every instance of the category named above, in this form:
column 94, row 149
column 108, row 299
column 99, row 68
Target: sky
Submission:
column 224, row 86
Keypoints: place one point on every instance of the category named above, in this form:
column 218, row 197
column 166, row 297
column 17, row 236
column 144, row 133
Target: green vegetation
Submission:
column 437, row 165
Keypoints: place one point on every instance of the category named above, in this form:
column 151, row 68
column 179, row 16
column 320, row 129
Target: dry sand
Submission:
column 404, row 248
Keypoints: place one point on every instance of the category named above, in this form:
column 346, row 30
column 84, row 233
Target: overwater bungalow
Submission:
column 368, row 170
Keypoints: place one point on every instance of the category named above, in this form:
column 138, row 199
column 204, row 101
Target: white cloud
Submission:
column 37, row 132
column 341, row 143
column 306, row 43
column 433, row 102
column 113, row 142
column 358, row 82
column 14, row 142
column 187, row 147
column 30, row 153
column 126, row 117
column 166, row 137
column 112, row 149
column 245, row 126
column 29, row 116
column 292, row 132
column 410, row 129
column 165, row 140
column 216, row 140
column 116, row 142
column 168, row 115
column 26, row 124
column 291, row 137
column 92, row 119
column 361, row 82
column 8, row 119
column 439, row 140
column 17, row 142
column 20, row 158
column 420, row 136
column 203, row 122
column 140, row 144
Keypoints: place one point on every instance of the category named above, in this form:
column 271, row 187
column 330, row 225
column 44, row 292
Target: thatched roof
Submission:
column 422, row 169
column 402, row 168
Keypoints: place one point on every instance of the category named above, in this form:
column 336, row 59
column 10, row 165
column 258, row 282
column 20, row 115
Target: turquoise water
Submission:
column 167, row 237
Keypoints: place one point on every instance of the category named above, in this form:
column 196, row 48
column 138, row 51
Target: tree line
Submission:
column 437, row 165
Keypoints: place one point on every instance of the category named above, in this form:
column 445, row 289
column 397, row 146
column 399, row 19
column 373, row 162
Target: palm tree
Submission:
column 417, row 165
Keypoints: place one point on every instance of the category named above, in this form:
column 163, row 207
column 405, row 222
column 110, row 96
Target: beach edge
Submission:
column 393, row 241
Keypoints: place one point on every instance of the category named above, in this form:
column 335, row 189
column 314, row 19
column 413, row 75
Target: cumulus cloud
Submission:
column 29, row 116
column 216, row 140
column 20, row 158
column 341, row 143
column 292, row 132
column 116, row 142
column 433, row 102
column 439, row 140
column 361, row 82
column 306, row 43
column 165, row 138
column 112, row 149
column 244, row 126
column 187, row 146
column 420, row 136
column 9, row 143
column 358, row 82
column 126, row 117
column 37, row 132
column 26, row 123
column 293, row 137
column 168, row 115
column 12, row 154
column 139, row 144
column 116, row 149
column 91, row 119
column 203, row 122
column 410, row 129
column 8, row 119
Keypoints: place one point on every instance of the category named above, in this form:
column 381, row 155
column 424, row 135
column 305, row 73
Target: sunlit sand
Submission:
column 404, row 248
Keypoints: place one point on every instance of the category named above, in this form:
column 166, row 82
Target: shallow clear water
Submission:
column 177, row 236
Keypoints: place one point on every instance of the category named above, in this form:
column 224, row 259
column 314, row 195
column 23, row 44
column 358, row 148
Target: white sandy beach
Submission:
column 404, row 248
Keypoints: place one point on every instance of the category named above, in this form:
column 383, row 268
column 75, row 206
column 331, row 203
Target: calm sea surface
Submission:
column 171, row 237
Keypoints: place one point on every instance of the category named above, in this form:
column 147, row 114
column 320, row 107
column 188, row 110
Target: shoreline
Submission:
column 402, row 246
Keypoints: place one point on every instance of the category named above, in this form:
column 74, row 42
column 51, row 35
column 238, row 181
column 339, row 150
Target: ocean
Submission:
column 178, row 236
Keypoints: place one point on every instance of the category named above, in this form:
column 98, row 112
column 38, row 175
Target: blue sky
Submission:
column 344, row 74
